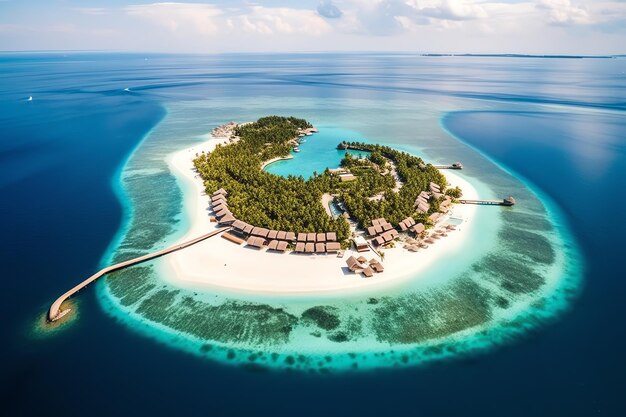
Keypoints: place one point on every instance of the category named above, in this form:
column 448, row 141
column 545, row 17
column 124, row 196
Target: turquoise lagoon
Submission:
column 519, row 271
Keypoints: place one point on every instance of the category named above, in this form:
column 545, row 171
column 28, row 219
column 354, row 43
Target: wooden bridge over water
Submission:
column 55, row 313
column 509, row 201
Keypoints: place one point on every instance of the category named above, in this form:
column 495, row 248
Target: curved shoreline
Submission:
column 365, row 352
column 273, row 160
column 217, row 265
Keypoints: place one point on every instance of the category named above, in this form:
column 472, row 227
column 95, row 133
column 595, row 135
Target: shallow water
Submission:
column 509, row 272
column 60, row 157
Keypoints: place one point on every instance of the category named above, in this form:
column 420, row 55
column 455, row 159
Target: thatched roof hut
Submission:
column 299, row 247
column 217, row 198
column 272, row 234
column 248, row 228
column 333, row 247
column 221, row 191
column 418, row 228
column 368, row 272
column 387, row 226
column 282, row 246
column 272, row 245
column 321, row 237
column 320, row 247
column 309, row 247
column 227, row 219
column 238, row 225
column 375, row 222
column 301, row 237
column 290, row 236
column 256, row 242
column 331, row 236
column 402, row 226
column 222, row 212
column 377, row 266
column 353, row 264
column 281, row 235
column 361, row 259
column 423, row 207
column 220, row 205
column 371, row 231
column 310, row 237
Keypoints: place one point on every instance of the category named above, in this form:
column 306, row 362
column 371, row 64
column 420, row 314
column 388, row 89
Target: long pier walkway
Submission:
column 54, row 313
column 509, row 201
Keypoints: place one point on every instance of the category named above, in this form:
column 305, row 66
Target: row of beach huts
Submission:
column 275, row 240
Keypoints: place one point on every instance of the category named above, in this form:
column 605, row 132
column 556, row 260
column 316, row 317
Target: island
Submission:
column 376, row 219
column 380, row 214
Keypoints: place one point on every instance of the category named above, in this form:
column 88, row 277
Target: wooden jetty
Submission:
column 456, row 165
column 509, row 201
column 54, row 313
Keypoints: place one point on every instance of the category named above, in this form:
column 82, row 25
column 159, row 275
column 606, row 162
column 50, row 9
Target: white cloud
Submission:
column 179, row 17
column 564, row 12
column 93, row 11
column 449, row 10
column 270, row 20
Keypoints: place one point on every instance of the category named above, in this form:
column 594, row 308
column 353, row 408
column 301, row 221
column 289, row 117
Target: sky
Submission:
column 574, row 27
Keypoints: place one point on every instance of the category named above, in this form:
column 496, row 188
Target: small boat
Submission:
column 301, row 135
column 30, row 98
column 127, row 89
column 296, row 149
column 309, row 134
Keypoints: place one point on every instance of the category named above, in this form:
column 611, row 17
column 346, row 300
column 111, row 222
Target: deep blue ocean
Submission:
column 558, row 124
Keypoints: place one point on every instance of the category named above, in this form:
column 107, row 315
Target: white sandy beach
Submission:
column 219, row 264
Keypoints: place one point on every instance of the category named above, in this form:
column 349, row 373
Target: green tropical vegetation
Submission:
column 293, row 203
